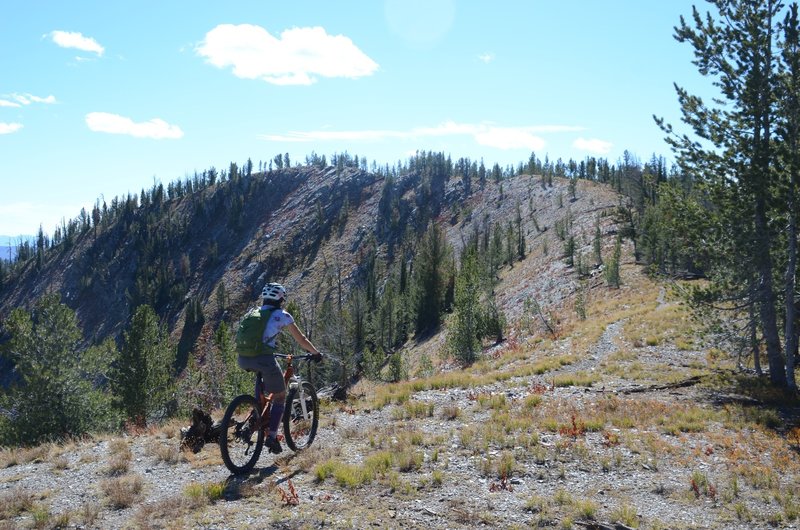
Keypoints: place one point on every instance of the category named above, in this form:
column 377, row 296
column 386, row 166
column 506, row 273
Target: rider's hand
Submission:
column 317, row 358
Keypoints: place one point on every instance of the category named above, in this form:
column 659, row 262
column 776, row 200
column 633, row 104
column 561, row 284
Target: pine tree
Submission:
column 611, row 271
column 57, row 393
column 742, row 170
column 144, row 378
column 465, row 327
column 430, row 273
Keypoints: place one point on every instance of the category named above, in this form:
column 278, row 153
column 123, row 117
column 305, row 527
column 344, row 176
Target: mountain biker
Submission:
column 273, row 297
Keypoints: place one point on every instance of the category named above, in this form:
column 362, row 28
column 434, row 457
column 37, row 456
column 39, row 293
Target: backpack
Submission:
column 250, row 333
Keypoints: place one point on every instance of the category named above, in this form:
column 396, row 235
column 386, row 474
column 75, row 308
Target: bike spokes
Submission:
column 301, row 417
column 241, row 439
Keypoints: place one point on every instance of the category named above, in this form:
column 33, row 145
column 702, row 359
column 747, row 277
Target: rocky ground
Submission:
column 592, row 429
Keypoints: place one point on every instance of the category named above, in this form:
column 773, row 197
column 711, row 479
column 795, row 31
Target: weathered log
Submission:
column 680, row 384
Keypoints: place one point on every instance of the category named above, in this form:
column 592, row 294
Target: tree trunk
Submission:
column 790, row 336
column 754, row 342
column 767, row 301
column 763, row 161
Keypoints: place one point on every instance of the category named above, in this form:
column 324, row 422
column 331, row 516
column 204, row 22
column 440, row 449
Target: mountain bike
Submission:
column 246, row 420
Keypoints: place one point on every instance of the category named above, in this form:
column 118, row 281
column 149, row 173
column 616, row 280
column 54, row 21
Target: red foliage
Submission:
column 291, row 498
column 503, row 485
column 577, row 428
column 538, row 388
column 610, row 439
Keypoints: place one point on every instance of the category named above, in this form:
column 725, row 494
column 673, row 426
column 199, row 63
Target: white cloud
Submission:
column 593, row 145
column 8, row 128
column 6, row 103
column 484, row 134
column 486, row 57
column 156, row 128
column 71, row 39
column 298, row 57
column 27, row 99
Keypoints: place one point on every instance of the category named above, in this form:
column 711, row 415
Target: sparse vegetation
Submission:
column 122, row 492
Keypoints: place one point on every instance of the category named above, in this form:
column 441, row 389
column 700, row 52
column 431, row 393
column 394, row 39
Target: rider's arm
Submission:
column 302, row 340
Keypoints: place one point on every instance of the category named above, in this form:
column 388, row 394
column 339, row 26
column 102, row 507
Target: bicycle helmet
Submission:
column 273, row 292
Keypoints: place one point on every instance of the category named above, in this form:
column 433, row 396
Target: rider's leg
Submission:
column 276, row 413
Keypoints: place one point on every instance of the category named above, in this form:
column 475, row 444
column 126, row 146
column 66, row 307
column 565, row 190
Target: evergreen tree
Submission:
column 739, row 164
column 463, row 334
column 430, row 273
column 520, row 233
column 611, row 271
column 144, row 376
column 597, row 244
column 56, row 393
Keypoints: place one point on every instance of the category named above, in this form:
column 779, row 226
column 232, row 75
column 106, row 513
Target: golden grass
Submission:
column 584, row 379
column 413, row 409
column 122, row 492
column 15, row 501
column 168, row 453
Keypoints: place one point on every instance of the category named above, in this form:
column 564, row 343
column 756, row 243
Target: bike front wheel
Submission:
column 241, row 437
column 301, row 418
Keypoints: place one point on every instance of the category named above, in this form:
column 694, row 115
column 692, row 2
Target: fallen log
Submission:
column 680, row 384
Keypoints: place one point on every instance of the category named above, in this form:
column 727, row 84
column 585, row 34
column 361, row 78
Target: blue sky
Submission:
column 99, row 99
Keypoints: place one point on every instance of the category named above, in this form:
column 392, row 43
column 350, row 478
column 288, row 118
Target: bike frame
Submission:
column 290, row 380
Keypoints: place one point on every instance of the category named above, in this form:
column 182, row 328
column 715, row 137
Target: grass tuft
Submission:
column 122, row 492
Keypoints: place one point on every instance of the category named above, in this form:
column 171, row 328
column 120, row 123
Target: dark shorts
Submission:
column 270, row 371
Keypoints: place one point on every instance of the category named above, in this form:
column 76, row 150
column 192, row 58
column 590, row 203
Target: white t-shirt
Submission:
column 278, row 320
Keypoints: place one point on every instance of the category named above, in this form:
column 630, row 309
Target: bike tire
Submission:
column 242, row 421
column 299, row 426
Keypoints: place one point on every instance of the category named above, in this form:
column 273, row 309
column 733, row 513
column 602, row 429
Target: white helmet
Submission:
column 273, row 292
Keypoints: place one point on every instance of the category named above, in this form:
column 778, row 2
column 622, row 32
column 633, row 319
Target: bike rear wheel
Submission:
column 241, row 437
column 301, row 418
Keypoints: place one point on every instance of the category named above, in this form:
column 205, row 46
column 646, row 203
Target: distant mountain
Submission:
column 8, row 246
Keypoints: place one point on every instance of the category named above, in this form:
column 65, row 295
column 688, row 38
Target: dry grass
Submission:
column 165, row 513
column 207, row 458
column 122, row 492
column 13, row 456
column 168, row 453
column 119, row 458
column 15, row 501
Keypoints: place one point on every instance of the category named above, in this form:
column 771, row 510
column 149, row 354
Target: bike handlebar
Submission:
column 303, row 357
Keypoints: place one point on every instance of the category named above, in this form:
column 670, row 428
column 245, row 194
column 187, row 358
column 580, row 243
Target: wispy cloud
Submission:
column 27, row 99
column 298, row 57
column 593, row 145
column 76, row 40
column 489, row 135
column 156, row 128
column 486, row 57
column 6, row 103
column 8, row 128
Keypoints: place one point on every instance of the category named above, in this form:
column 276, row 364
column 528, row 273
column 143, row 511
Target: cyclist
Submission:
column 273, row 297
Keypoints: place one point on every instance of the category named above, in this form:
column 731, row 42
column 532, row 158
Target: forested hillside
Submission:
column 371, row 258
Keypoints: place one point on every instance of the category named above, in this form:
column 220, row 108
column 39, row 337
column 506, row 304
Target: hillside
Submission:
column 300, row 226
column 632, row 417
column 625, row 420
